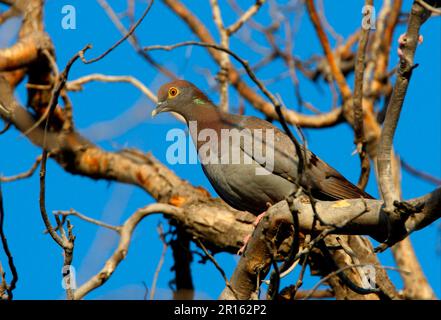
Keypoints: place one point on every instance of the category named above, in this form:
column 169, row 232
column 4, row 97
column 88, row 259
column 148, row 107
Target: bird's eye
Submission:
column 173, row 92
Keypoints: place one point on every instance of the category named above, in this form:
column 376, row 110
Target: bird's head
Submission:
column 179, row 96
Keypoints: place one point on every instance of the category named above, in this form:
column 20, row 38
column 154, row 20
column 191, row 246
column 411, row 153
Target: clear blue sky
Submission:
column 117, row 115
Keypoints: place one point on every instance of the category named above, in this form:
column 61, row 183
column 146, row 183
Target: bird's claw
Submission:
column 245, row 242
column 248, row 237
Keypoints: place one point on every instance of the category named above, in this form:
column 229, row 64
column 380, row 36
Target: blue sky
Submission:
column 117, row 115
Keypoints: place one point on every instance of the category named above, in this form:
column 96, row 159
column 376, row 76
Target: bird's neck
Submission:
column 204, row 117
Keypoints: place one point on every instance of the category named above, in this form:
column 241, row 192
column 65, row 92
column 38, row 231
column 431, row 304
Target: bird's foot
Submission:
column 245, row 242
column 258, row 219
column 248, row 237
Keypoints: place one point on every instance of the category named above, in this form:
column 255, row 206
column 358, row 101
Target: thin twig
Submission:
column 338, row 37
column 382, row 44
column 61, row 81
column 225, row 59
column 11, row 287
column 133, row 40
column 274, row 285
column 244, row 63
column 334, row 273
column 360, row 140
column 65, row 242
column 160, row 262
column 336, row 72
column 121, row 251
column 88, row 219
column 6, row 127
column 218, row 267
column 323, row 120
column 25, row 174
column 245, row 17
column 417, row 17
column 128, row 34
column 68, row 124
column 286, row 272
column 299, row 282
column 419, row 173
column 76, row 84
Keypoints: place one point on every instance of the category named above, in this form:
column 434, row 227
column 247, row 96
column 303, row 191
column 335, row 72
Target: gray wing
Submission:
column 285, row 160
column 325, row 182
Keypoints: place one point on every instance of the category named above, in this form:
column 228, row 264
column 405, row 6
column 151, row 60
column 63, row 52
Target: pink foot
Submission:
column 248, row 237
column 258, row 218
column 245, row 242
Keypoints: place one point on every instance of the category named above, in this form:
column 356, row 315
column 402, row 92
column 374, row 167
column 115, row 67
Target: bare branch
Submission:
column 127, row 35
column 416, row 285
column 8, row 288
column 23, row 175
column 225, row 59
column 88, row 219
column 123, row 246
column 336, row 72
column 61, row 81
column 344, row 217
column 218, row 267
column 160, row 262
column 417, row 17
column 358, row 108
column 76, row 85
column 326, row 278
column 420, row 174
column 133, row 39
column 245, row 17
column 323, row 120
column 6, row 127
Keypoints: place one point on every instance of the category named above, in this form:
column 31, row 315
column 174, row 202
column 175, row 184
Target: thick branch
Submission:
column 24, row 52
column 351, row 216
column 418, row 16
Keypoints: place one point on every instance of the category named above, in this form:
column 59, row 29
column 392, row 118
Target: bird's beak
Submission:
column 160, row 107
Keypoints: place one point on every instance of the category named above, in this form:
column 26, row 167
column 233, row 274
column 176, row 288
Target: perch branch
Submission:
column 417, row 17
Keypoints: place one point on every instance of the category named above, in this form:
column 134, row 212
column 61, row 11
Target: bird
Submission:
column 250, row 183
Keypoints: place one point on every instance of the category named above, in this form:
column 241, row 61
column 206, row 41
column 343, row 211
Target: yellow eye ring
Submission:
column 173, row 92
